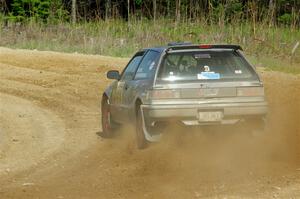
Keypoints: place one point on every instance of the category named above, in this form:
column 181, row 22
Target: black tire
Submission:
column 107, row 130
column 140, row 136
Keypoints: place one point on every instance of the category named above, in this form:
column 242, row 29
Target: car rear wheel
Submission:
column 107, row 130
column 140, row 136
column 254, row 127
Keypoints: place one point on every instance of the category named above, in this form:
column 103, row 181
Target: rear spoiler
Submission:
column 204, row 46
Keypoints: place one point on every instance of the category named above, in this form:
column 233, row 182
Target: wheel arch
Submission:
column 104, row 97
column 108, row 92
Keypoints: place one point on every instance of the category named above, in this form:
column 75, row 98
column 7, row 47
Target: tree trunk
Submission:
column 73, row 11
column 154, row 10
column 107, row 9
column 128, row 10
column 178, row 8
column 272, row 10
column 190, row 10
column 168, row 8
column 98, row 11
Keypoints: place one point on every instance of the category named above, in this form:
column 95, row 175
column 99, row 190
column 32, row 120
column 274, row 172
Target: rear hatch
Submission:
column 187, row 76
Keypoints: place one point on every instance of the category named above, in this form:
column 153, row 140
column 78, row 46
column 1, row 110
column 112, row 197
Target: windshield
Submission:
column 205, row 66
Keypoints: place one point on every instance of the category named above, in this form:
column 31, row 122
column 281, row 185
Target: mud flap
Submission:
column 149, row 137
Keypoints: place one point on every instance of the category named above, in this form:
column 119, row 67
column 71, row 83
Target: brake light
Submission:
column 250, row 91
column 163, row 94
column 205, row 46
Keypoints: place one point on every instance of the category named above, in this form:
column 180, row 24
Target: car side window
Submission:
column 129, row 71
column 148, row 65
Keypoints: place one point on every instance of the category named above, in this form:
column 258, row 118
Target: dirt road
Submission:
column 49, row 146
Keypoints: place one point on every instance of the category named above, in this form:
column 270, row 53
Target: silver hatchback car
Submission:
column 191, row 84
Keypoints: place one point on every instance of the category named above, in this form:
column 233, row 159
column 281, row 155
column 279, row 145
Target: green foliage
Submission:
column 220, row 12
column 226, row 12
column 233, row 8
column 57, row 12
column 39, row 10
column 138, row 2
column 285, row 18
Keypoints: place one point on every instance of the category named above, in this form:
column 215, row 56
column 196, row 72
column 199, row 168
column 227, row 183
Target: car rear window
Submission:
column 205, row 66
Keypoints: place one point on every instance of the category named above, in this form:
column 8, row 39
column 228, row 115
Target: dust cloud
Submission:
column 226, row 158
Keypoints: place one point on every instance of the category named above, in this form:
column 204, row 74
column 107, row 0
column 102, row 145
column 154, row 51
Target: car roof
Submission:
column 189, row 46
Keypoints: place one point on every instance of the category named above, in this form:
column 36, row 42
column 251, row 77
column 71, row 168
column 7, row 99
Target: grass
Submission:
column 275, row 64
column 118, row 38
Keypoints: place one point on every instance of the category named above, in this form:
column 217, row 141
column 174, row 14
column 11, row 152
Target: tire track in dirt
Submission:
column 31, row 133
column 190, row 165
column 57, row 91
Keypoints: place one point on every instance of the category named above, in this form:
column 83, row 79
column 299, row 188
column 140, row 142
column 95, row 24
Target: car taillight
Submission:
column 163, row 94
column 250, row 91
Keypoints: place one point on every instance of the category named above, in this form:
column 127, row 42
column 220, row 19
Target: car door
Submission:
column 142, row 79
column 128, row 73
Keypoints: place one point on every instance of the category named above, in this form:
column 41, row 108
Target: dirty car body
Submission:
column 201, row 85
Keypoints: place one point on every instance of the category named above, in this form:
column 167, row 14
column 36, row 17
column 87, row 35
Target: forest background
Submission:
column 268, row 30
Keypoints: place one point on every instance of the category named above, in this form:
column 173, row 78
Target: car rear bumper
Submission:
column 161, row 112
column 188, row 114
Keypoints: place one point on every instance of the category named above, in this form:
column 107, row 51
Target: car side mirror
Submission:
column 113, row 74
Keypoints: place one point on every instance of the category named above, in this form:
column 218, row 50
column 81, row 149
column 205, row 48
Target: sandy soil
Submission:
column 50, row 148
